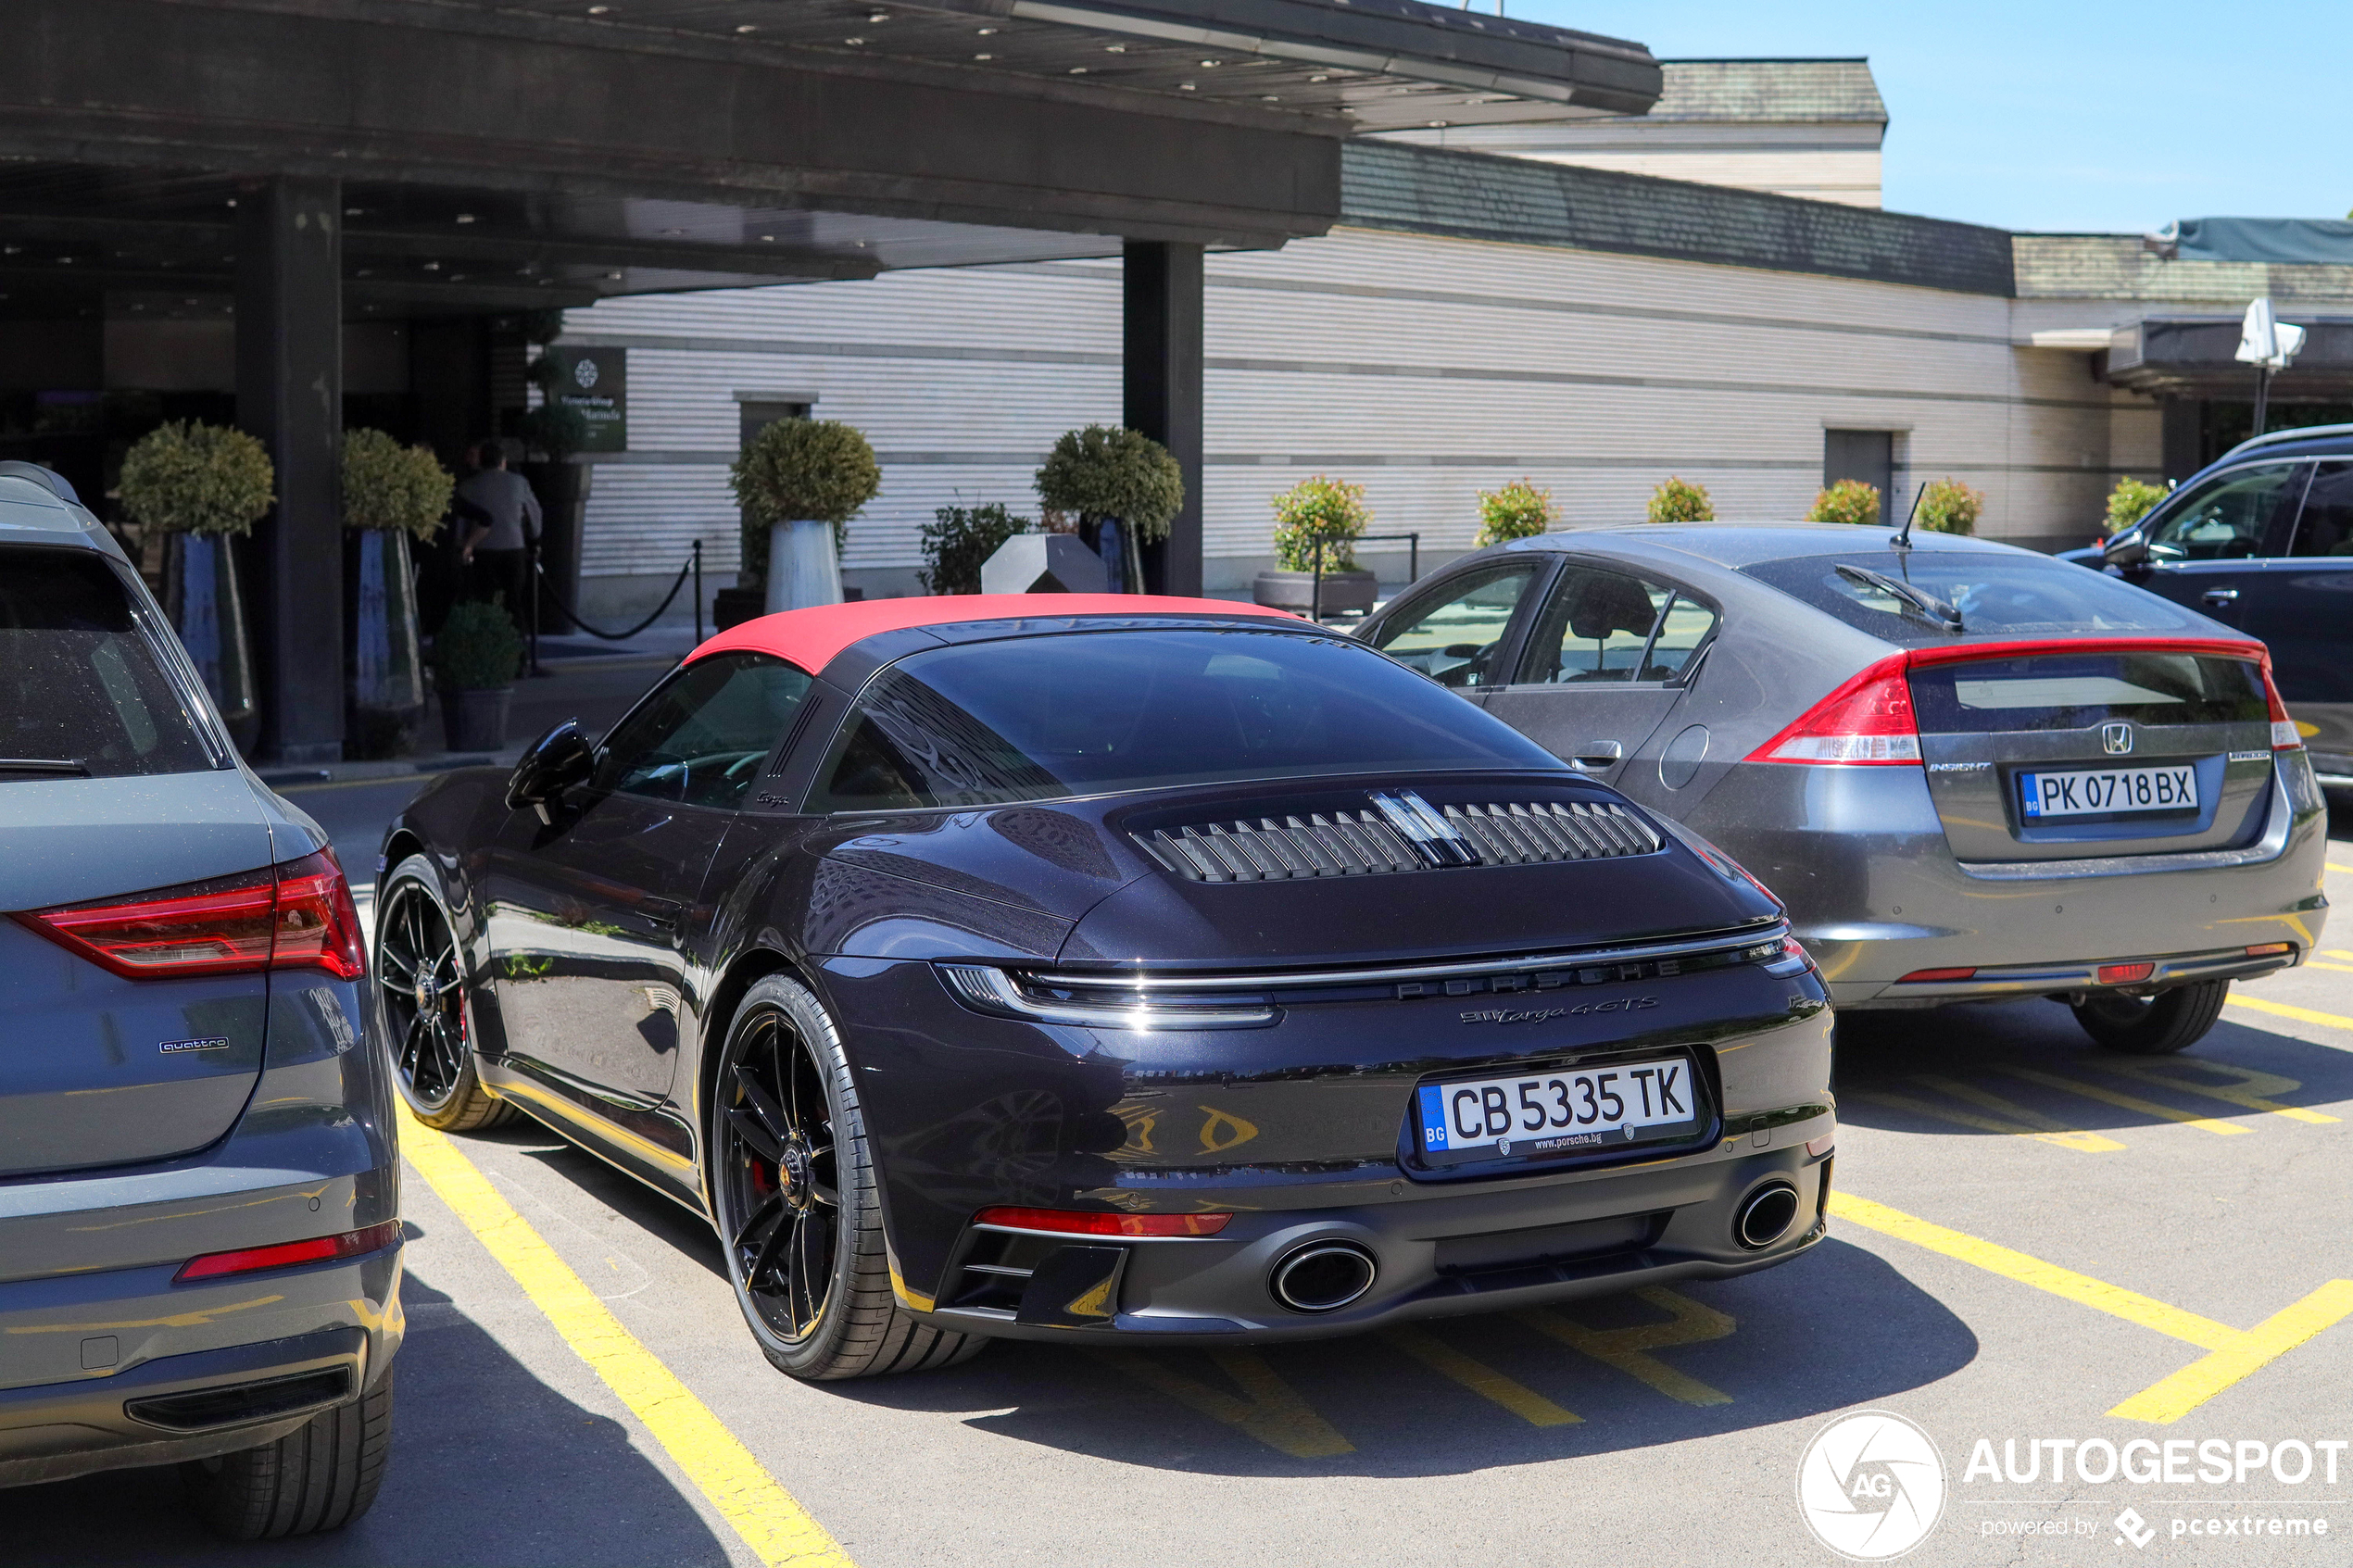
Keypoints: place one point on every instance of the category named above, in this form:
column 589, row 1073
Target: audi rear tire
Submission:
column 320, row 1477
column 2171, row 1021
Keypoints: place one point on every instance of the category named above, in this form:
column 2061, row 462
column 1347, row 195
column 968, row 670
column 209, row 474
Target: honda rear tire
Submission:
column 320, row 1477
column 2170, row 1021
column 793, row 1193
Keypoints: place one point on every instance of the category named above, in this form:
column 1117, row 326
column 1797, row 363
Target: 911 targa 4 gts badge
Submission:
column 1537, row 1015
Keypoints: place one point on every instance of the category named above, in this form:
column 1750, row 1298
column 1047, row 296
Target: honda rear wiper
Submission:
column 63, row 766
column 1923, row 603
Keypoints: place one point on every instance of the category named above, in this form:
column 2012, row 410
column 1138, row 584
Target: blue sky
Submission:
column 2063, row 114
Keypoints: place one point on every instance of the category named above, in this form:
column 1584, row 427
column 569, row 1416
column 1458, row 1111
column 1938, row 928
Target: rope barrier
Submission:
column 570, row 614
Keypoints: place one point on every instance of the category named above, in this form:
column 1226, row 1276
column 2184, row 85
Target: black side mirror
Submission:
column 550, row 765
column 2130, row 548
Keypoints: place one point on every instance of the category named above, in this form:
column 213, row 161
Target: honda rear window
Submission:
column 2075, row 691
column 1988, row 592
column 82, row 690
column 1088, row 713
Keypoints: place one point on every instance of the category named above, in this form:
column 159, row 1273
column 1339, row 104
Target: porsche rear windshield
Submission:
column 82, row 689
column 1964, row 592
column 1089, row 713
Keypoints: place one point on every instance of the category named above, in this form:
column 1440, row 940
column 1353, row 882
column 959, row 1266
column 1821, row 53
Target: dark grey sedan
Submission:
column 199, row 1232
column 1971, row 772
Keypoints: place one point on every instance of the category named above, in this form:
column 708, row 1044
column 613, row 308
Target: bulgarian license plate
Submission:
column 2102, row 791
column 1554, row 1112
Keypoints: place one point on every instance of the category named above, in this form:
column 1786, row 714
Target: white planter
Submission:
column 801, row 567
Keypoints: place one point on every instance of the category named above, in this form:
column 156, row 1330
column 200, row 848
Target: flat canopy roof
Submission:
column 497, row 154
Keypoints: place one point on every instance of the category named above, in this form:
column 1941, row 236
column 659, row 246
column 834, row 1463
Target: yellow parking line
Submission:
column 2081, row 1289
column 778, row 1529
column 2177, row 1396
column 1479, row 1378
column 2285, row 1010
column 1270, row 1410
column 2083, row 1143
column 2058, row 1132
column 2334, row 867
column 2338, row 968
column 2125, row 1102
column 1689, row 1322
column 2231, row 1354
column 2249, row 1091
column 2338, row 952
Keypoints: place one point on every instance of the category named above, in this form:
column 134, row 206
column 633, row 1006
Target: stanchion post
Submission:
column 1315, row 594
column 531, row 561
column 698, row 592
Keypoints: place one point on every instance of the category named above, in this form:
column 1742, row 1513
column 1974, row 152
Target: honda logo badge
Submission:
column 2116, row 739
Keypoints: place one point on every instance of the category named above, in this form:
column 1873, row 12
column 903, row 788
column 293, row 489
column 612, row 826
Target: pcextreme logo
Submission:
column 1871, row 1485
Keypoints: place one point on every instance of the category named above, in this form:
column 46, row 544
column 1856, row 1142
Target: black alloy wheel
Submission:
column 779, row 1170
column 793, row 1194
column 2170, row 1021
column 421, row 977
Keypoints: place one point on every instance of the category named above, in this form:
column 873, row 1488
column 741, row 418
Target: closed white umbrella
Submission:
column 2269, row 345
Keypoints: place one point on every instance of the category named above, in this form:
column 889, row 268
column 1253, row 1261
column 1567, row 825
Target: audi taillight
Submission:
column 1867, row 721
column 298, row 915
column 291, row 1254
column 2284, row 735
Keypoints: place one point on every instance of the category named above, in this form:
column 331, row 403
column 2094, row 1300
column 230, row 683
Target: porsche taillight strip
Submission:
column 1762, row 942
column 1366, row 844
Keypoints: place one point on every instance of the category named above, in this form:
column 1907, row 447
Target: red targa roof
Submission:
column 811, row 637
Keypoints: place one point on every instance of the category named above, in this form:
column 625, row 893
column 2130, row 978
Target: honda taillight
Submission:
column 2284, row 735
column 1867, row 721
column 298, row 915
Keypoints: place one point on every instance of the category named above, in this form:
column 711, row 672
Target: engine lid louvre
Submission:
column 1400, row 832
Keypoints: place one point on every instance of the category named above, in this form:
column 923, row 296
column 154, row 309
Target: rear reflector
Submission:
column 2125, row 973
column 287, row 1254
column 298, row 915
column 1929, row 976
column 1074, row 1221
column 1867, row 721
column 2266, row 949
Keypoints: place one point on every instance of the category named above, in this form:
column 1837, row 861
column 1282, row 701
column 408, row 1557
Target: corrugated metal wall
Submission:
column 1426, row 368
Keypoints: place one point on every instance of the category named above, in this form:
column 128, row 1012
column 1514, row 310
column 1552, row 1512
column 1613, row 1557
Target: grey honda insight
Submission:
column 1971, row 772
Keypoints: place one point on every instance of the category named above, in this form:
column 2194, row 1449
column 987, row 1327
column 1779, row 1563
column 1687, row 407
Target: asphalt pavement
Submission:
column 2035, row 1246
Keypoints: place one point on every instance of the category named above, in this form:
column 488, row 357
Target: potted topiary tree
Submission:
column 1122, row 487
column 391, row 493
column 800, row 482
column 2130, row 501
column 201, row 487
column 1518, row 510
column 1947, row 505
column 959, row 540
column 475, row 656
column 1329, row 512
column 1678, row 501
column 1850, row 500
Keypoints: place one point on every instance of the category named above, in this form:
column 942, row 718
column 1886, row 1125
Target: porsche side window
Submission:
column 2228, row 516
column 1452, row 637
column 701, row 738
column 1608, row 627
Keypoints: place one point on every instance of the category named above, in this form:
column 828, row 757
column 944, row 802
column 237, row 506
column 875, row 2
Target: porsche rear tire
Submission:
column 793, row 1191
column 420, row 970
column 2159, row 1025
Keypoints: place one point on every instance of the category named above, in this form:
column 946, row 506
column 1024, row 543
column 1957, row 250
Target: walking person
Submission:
column 498, row 551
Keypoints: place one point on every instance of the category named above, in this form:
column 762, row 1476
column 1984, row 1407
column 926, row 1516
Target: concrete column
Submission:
column 1162, row 388
column 2182, row 437
column 290, row 396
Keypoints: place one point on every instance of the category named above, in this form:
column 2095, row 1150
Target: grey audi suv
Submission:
column 1971, row 772
column 199, row 1233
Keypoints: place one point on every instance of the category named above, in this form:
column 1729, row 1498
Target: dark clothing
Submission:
column 504, row 576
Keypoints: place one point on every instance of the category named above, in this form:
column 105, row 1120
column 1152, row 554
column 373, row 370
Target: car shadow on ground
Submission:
column 1452, row 1396
column 520, row 1476
column 2024, row 1068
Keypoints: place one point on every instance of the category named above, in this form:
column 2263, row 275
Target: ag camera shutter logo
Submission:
column 1871, row 1485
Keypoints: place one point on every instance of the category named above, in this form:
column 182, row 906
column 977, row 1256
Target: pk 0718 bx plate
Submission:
column 1559, row 1110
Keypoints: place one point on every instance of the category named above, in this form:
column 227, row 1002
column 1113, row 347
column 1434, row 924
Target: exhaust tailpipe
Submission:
column 1322, row 1276
column 1765, row 1216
